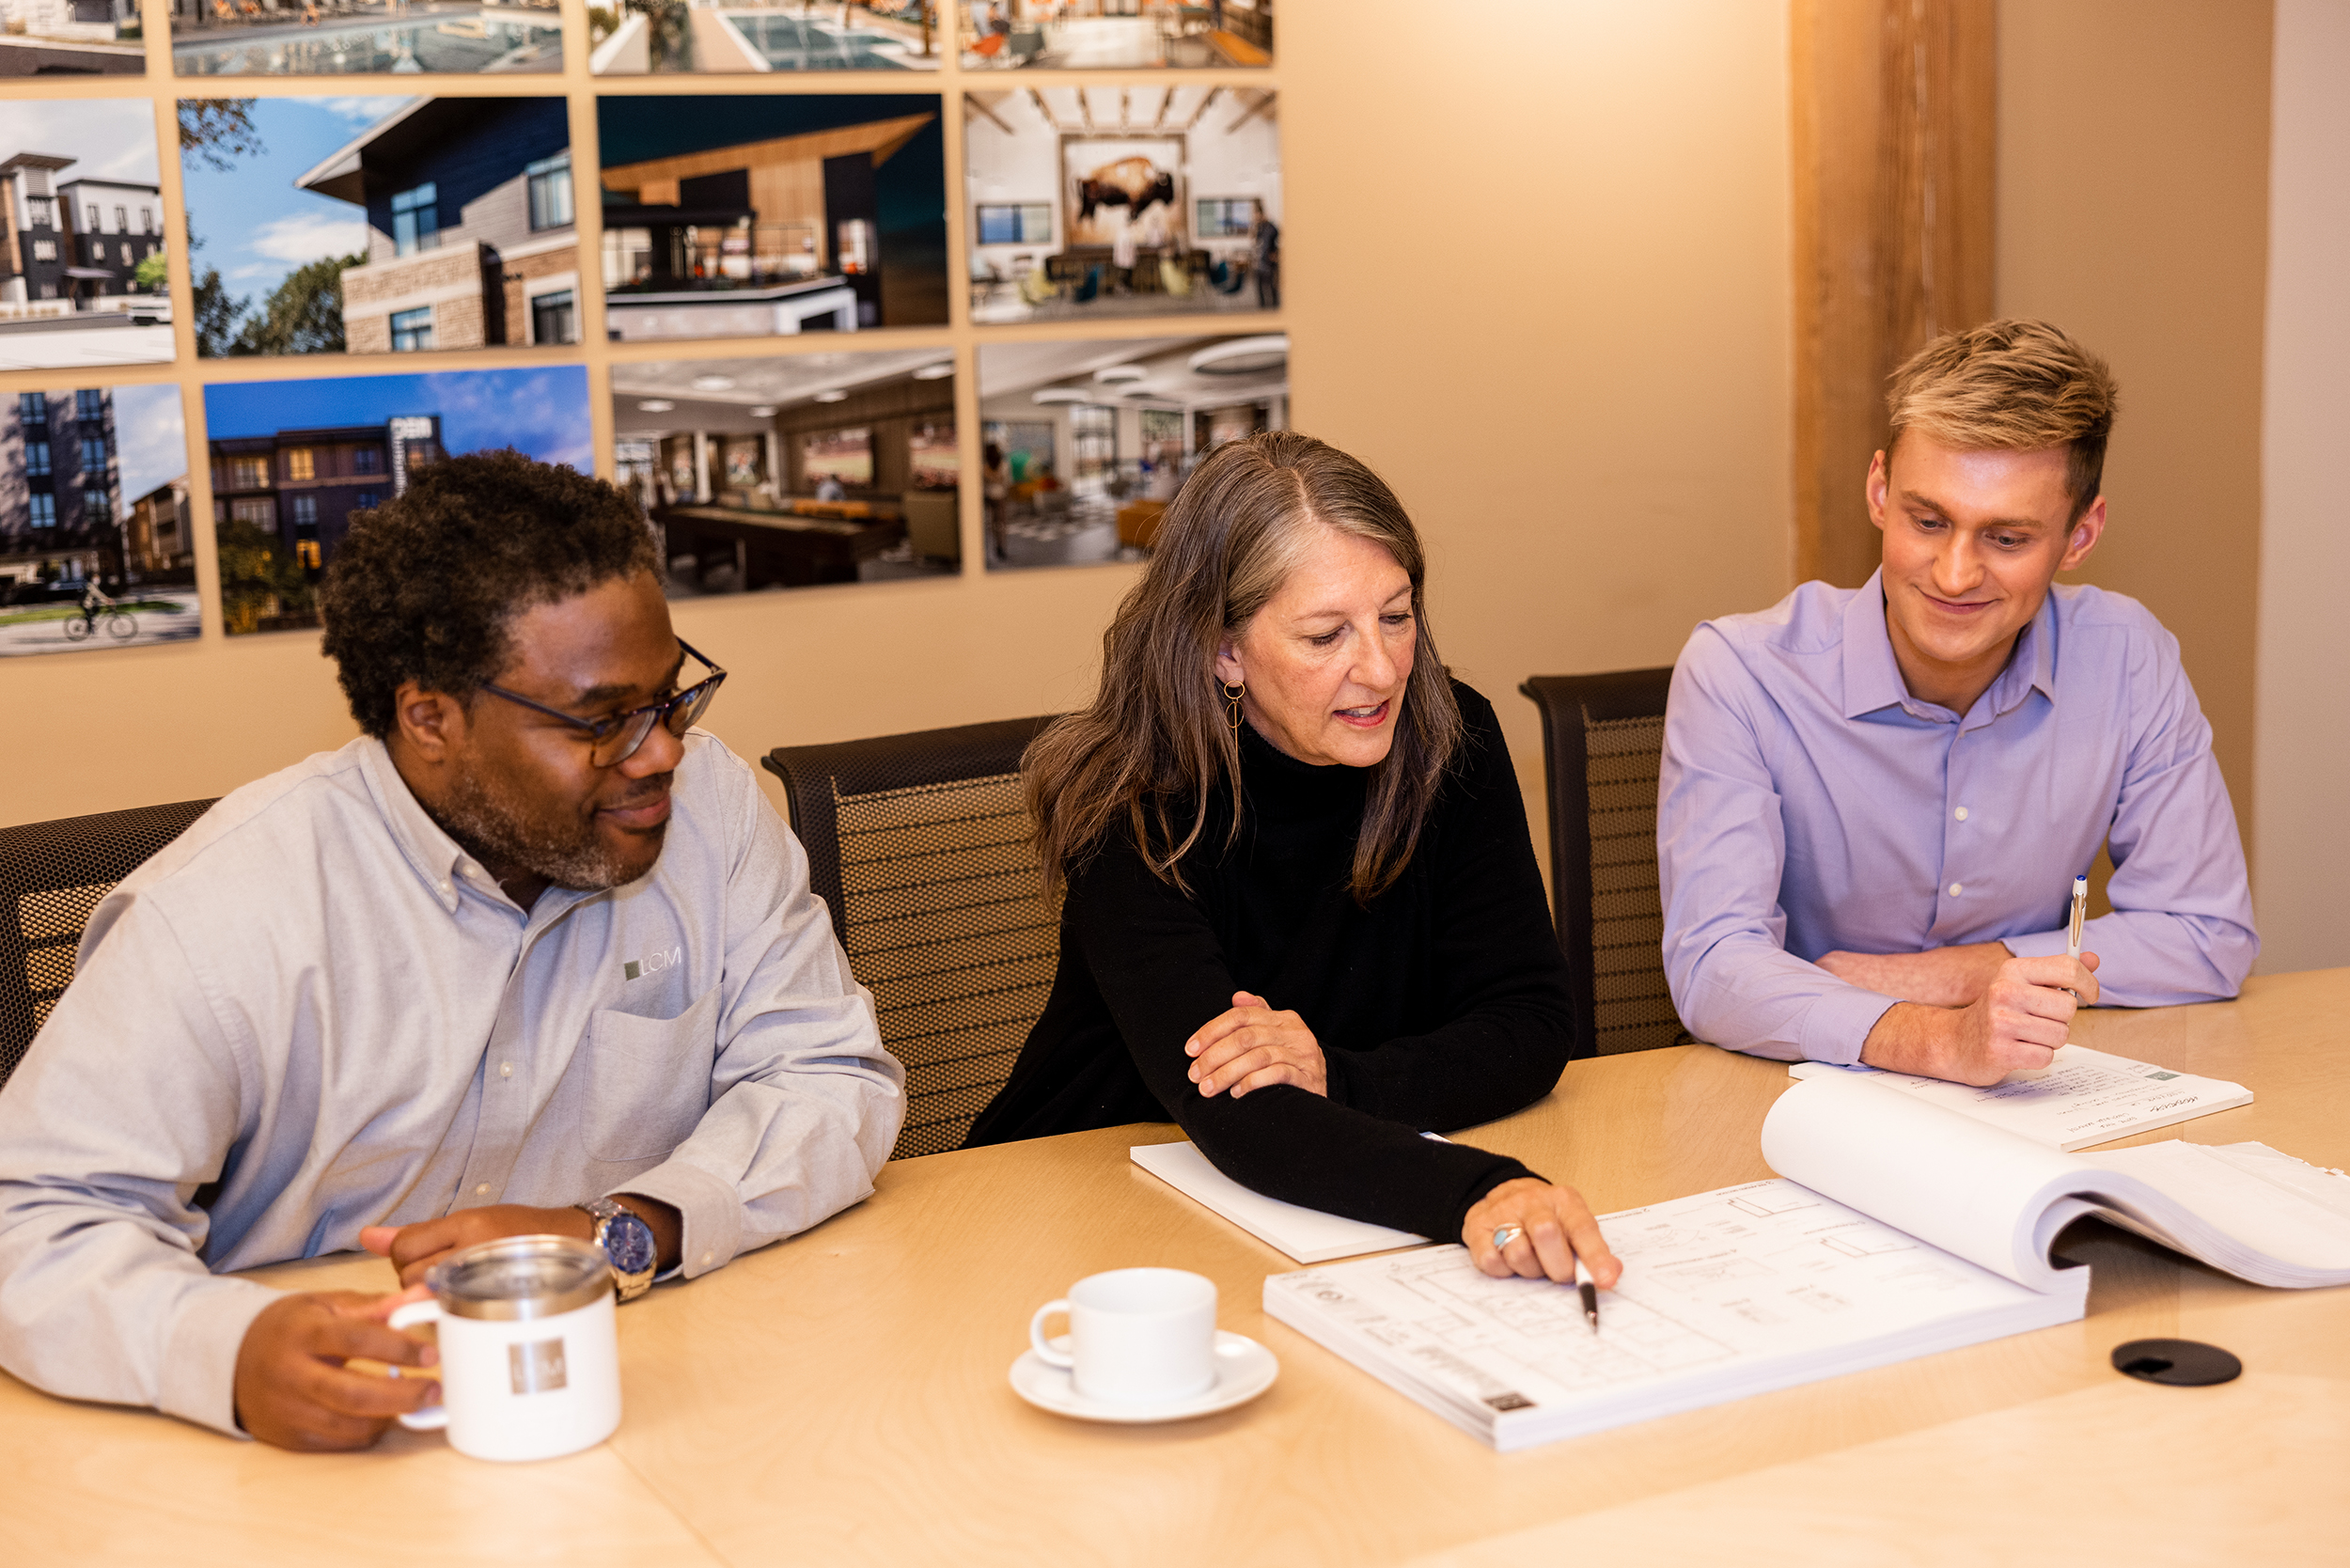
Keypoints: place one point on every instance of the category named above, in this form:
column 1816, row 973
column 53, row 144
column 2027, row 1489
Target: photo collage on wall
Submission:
column 640, row 307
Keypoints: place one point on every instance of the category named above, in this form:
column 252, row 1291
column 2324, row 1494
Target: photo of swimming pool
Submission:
column 791, row 43
column 452, row 38
column 785, row 34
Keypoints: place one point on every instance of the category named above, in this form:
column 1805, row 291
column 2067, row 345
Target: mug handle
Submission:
column 432, row 1418
column 1044, row 1352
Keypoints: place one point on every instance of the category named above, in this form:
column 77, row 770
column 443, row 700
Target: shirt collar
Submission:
column 1873, row 677
column 2032, row 666
column 436, row 855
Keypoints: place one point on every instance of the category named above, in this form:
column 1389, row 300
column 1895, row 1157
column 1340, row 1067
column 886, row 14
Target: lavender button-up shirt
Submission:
column 1809, row 805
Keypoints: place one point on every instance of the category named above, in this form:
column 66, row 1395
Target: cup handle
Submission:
column 1044, row 1352
column 432, row 1418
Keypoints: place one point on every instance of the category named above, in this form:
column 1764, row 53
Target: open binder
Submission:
column 1895, row 1228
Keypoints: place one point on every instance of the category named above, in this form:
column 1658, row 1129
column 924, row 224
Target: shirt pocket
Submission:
column 647, row 1080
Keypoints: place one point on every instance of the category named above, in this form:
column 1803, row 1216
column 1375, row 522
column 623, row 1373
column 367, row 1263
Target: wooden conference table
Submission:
column 841, row 1397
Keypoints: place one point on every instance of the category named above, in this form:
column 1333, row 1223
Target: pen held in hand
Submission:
column 1588, row 1292
column 2073, row 938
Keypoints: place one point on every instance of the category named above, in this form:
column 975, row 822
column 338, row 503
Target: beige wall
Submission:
column 2301, row 850
column 1537, row 267
column 2134, row 212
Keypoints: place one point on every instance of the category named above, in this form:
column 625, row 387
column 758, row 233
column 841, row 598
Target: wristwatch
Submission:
column 628, row 1245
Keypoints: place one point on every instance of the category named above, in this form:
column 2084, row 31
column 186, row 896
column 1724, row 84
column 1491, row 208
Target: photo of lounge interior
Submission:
column 793, row 471
column 1122, row 202
column 1116, row 35
column 770, row 216
column 1083, row 444
column 635, row 38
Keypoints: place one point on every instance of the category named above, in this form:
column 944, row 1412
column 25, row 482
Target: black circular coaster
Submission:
column 2185, row 1363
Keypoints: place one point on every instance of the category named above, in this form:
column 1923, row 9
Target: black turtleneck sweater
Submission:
column 1441, row 1005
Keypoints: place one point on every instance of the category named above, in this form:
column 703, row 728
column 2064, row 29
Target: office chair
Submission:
column 52, row 876
column 919, row 846
column 1602, row 738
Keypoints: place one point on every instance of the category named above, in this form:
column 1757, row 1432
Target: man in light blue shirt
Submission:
column 531, row 954
column 1875, row 801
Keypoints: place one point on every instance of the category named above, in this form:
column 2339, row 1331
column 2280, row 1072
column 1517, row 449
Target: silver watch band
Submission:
column 603, row 1210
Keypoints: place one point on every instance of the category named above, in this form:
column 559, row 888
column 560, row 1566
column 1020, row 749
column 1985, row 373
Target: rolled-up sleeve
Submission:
column 805, row 1103
column 1722, row 853
column 2181, row 930
column 123, row 1109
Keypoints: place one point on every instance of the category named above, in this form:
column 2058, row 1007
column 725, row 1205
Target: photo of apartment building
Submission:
column 293, row 462
column 793, row 471
column 771, row 216
column 70, row 543
column 302, row 485
column 470, row 237
column 1148, row 200
column 82, row 241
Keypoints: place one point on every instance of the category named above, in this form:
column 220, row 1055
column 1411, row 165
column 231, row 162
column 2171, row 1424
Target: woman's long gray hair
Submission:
column 1154, row 748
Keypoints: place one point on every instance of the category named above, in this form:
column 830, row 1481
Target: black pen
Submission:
column 1589, row 1291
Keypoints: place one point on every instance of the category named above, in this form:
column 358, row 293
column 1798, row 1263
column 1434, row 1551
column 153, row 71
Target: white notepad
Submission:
column 1308, row 1235
column 2082, row 1097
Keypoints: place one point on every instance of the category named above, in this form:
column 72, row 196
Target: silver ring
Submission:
column 1505, row 1234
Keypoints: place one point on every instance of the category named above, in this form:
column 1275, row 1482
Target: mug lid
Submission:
column 520, row 1276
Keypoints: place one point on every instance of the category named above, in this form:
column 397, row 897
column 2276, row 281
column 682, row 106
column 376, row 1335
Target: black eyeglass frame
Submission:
column 692, row 702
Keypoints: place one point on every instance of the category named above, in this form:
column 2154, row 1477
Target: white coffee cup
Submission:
column 530, row 1364
column 1136, row 1334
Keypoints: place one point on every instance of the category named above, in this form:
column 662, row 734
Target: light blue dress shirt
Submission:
column 1809, row 805
column 314, row 1013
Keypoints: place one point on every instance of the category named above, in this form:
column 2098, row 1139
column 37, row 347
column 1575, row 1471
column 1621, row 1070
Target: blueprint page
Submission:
column 2082, row 1097
column 1728, row 1287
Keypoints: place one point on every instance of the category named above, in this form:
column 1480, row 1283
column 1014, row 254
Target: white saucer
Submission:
column 1244, row 1369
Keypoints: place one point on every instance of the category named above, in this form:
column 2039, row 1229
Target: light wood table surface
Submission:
column 841, row 1397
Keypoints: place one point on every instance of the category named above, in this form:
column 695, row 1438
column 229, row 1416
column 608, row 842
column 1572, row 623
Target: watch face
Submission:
column 628, row 1243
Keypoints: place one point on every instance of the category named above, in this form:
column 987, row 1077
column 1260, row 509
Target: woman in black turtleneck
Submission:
column 1359, row 951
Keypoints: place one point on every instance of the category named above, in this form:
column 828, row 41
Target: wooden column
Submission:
column 1895, row 132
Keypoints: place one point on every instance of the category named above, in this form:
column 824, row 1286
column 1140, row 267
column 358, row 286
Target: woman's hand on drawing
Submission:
column 1553, row 1226
column 1253, row 1046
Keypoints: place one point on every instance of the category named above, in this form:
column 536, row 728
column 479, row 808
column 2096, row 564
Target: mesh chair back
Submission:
column 52, row 876
column 919, row 845
column 1602, row 738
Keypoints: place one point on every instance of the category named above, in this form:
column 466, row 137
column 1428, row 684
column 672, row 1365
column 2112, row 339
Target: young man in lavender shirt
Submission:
column 1875, row 801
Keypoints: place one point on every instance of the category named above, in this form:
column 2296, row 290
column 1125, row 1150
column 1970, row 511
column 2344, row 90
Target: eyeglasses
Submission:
column 618, row 737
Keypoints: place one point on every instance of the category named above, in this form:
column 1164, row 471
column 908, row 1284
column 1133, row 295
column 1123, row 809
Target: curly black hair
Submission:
column 426, row 586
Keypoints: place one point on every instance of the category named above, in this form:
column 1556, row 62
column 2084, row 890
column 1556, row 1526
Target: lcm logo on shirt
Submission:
column 653, row 963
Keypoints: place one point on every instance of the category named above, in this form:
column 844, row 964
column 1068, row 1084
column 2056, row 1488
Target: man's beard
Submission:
column 494, row 828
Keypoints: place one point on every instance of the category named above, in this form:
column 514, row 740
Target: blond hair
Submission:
column 2010, row 387
column 1153, row 750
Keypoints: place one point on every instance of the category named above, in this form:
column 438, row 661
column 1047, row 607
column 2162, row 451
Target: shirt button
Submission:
column 482, row 1190
column 1960, row 813
column 1956, row 888
column 705, row 1257
column 505, row 1069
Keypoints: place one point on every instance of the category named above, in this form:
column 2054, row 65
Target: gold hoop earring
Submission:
column 1232, row 701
